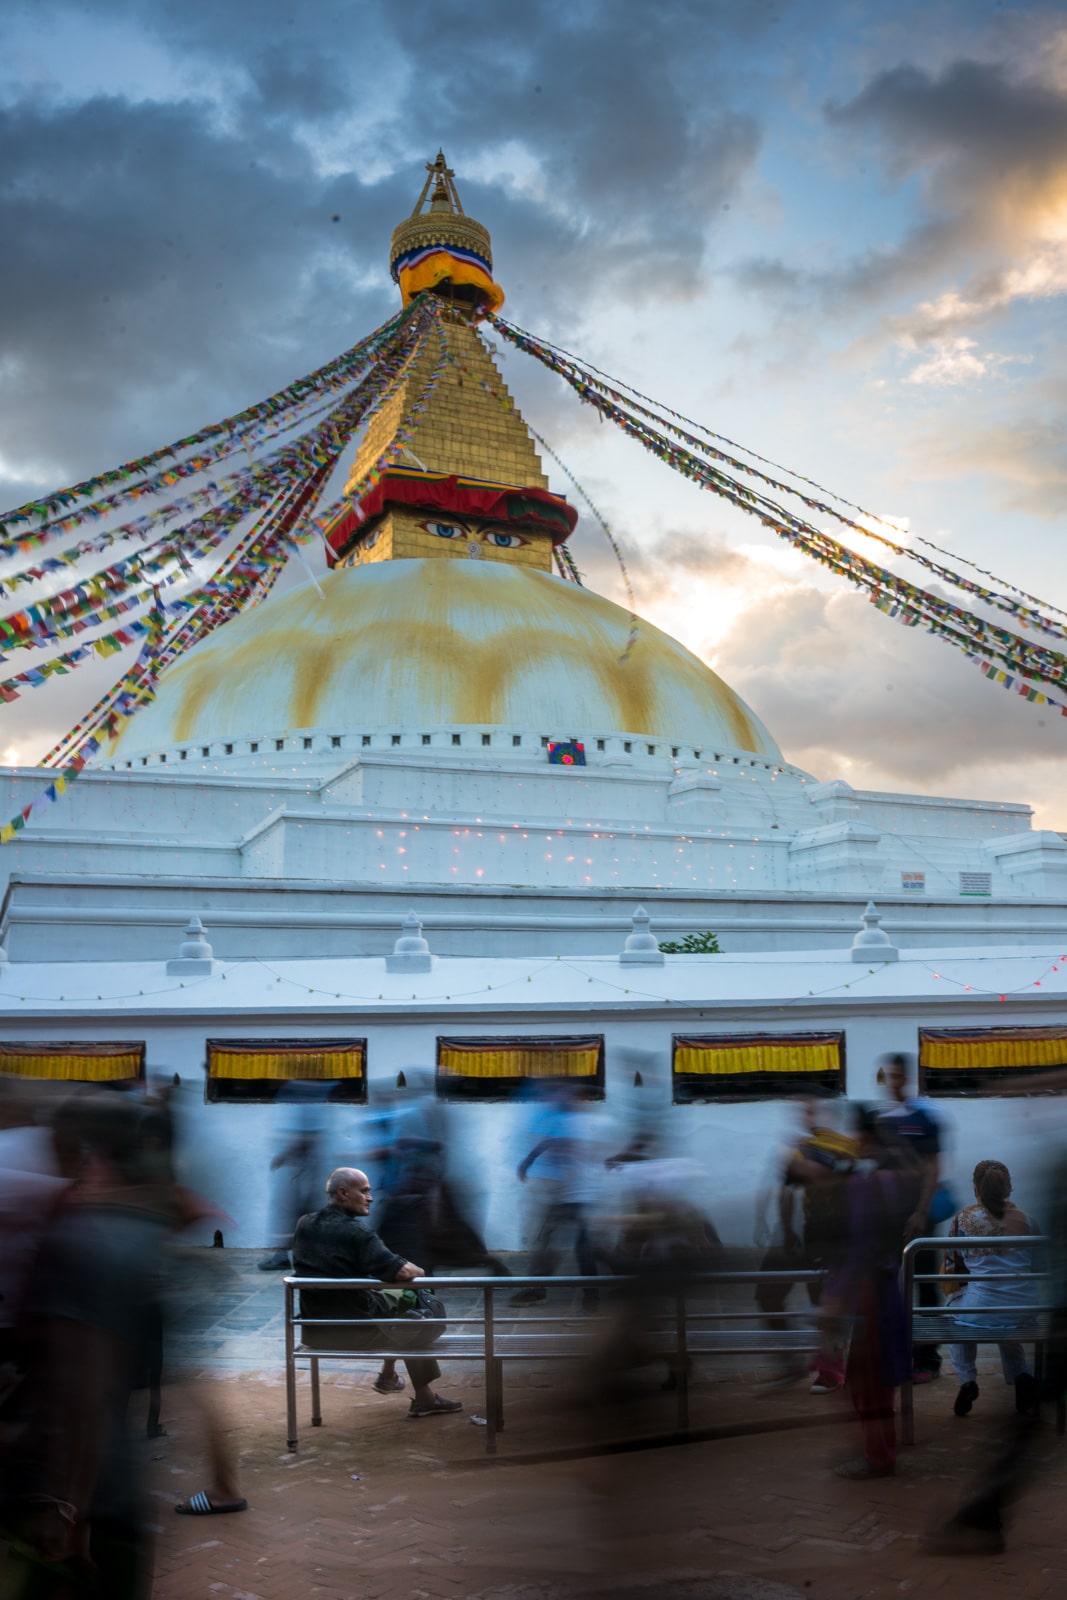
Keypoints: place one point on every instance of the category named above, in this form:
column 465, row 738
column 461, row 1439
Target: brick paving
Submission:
column 376, row 1506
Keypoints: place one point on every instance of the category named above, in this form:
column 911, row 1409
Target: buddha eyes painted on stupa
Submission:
column 498, row 537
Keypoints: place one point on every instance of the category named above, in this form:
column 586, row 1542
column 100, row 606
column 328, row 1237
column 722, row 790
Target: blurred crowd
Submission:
column 91, row 1207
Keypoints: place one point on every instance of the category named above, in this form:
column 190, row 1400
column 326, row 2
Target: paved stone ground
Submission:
column 380, row 1507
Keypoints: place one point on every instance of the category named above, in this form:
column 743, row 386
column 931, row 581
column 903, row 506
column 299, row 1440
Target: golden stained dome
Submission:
column 413, row 646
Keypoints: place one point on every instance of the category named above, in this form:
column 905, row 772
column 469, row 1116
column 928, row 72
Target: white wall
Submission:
column 227, row 1148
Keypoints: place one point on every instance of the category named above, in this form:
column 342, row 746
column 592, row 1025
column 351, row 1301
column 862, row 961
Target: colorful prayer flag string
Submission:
column 951, row 622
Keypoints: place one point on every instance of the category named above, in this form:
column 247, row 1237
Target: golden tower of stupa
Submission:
column 468, row 482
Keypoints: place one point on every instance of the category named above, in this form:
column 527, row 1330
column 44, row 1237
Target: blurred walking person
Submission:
column 820, row 1153
column 569, row 1153
column 914, row 1122
column 72, row 1491
column 865, row 1287
column 295, row 1167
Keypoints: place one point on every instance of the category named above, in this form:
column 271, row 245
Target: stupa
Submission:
column 442, row 617
column 446, row 717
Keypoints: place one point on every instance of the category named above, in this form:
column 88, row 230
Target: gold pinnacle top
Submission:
column 443, row 222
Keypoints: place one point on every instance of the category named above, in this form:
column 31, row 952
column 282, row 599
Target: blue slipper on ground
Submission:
column 201, row 1505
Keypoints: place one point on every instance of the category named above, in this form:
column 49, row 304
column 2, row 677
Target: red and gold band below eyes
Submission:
column 462, row 497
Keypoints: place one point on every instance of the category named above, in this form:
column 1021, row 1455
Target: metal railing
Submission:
column 678, row 1329
column 1029, row 1326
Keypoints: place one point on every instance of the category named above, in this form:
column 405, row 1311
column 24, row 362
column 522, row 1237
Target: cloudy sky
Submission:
column 836, row 232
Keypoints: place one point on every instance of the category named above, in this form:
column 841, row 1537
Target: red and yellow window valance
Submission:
column 305, row 1060
column 488, row 1069
column 69, row 1062
column 757, row 1066
column 714, row 1057
column 992, row 1049
column 521, row 1058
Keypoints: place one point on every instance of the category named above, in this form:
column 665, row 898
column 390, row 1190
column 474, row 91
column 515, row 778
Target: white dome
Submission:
column 421, row 644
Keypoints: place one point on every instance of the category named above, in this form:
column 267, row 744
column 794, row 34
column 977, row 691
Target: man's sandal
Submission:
column 201, row 1505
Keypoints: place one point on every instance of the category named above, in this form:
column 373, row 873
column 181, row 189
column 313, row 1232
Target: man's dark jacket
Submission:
column 330, row 1244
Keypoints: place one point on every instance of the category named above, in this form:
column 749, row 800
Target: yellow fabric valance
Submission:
column 526, row 1060
column 722, row 1057
column 304, row 1061
column 994, row 1049
column 73, row 1063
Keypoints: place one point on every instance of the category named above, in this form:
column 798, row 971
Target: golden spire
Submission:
column 441, row 248
column 467, row 480
column 445, row 195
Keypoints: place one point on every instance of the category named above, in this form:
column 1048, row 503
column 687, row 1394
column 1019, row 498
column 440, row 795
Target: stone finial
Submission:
column 872, row 943
column 195, row 956
column 642, row 947
column 411, row 953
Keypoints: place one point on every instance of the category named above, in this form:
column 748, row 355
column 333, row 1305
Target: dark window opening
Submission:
column 756, row 1066
column 258, row 1070
column 490, row 1068
column 63, row 1062
column 969, row 1062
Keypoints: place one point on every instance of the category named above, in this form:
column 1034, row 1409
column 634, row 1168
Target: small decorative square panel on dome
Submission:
column 566, row 753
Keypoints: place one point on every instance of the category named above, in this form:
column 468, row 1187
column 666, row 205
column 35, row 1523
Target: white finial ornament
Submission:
column 642, row 947
column 872, row 943
column 411, row 953
column 195, row 956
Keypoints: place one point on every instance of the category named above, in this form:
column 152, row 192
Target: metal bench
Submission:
column 496, row 1333
column 1026, row 1324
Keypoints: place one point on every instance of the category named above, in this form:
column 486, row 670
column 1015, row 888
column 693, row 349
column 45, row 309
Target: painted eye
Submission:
column 506, row 541
column 446, row 530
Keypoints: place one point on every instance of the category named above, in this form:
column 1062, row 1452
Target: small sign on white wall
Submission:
column 913, row 882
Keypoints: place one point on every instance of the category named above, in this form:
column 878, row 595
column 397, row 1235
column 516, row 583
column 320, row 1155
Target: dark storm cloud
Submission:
column 158, row 274
column 973, row 113
column 990, row 151
column 613, row 96
column 169, row 261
